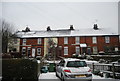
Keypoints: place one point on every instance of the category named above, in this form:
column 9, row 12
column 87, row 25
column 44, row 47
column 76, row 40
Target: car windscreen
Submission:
column 76, row 64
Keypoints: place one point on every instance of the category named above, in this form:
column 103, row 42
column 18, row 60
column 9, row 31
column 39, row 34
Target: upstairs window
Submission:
column 94, row 40
column 65, row 40
column 107, row 39
column 24, row 41
column 39, row 40
column 77, row 40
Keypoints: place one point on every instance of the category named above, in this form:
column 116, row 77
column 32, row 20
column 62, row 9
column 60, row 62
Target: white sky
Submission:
column 59, row 15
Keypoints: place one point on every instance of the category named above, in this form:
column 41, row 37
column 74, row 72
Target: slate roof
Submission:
column 66, row 32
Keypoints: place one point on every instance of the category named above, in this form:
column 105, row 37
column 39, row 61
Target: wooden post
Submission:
column 113, row 69
column 93, row 67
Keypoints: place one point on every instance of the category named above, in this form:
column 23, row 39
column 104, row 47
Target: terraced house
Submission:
column 66, row 42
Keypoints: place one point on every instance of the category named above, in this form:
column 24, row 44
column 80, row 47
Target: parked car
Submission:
column 44, row 69
column 73, row 69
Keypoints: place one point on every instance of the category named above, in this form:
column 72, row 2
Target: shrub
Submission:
column 19, row 70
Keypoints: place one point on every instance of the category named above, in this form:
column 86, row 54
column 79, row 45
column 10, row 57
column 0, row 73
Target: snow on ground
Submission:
column 97, row 77
column 90, row 61
column 49, row 75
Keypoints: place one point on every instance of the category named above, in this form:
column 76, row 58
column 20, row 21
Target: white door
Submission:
column 33, row 52
column 95, row 50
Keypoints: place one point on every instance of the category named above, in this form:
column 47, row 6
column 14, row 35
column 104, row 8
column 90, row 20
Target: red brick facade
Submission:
column 101, row 45
column 114, row 42
column 32, row 43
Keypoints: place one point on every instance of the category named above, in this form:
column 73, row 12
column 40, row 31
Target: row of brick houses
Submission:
column 66, row 42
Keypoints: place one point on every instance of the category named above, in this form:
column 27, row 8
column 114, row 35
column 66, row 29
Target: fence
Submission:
column 113, row 69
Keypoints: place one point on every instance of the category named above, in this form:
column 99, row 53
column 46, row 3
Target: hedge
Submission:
column 19, row 70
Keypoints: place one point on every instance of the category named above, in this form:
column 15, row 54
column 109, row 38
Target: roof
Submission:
column 66, row 32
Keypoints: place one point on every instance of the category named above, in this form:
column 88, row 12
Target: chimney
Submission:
column 95, row 27
column 71, row 27
column 48, row 28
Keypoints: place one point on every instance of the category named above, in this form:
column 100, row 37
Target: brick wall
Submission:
column 114, row 41
column 32, row 42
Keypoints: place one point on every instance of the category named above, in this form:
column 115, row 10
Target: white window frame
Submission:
column 77, row 48
column 24, row 41
column 23, row 50
column 39, row 51
column 29, row 49
column 94, row 40
column 116, row 49
column 77, row 40
column 39, row 40
column 119, row 38
column 107, row 39
column 65, row 50
column 65, row 40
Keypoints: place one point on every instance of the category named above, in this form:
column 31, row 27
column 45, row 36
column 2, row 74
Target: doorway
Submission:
column 33, row 52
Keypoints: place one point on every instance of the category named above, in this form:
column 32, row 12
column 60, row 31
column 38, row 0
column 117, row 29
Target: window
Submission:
column 116, row 48
column 38, row 51
column 119, row 38
column 76, row 64
column 77, row 50
column 65, row 50
column 107, row 39
column 95, row 51
column 77, row 40
column 94, row 40
column 29, row 51
column 24, row 41
column 39, row 40
column 23, row 50
column 65, row 40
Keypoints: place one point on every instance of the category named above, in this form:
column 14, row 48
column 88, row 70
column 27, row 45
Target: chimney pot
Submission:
column 95, row 27
column 71, row 27
column 48, row 28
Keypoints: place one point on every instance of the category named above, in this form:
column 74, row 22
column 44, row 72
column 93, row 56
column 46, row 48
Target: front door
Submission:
column 95, row 50
column 89, row 50
column 83, row 50
column 33, row 52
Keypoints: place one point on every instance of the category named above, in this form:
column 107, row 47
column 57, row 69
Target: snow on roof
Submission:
column 67, row 32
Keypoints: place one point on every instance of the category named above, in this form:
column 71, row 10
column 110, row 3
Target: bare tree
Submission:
column 7, row 34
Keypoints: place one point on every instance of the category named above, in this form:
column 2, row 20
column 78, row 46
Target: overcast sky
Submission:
column 59, row 15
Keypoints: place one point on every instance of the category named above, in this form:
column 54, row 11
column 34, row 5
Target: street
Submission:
column 50, row 76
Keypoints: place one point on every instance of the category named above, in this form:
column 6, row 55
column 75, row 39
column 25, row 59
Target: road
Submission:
column 51, row 77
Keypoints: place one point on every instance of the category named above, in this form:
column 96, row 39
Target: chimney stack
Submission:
column 95, row 27
column 48, row 28
column 71, row 27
